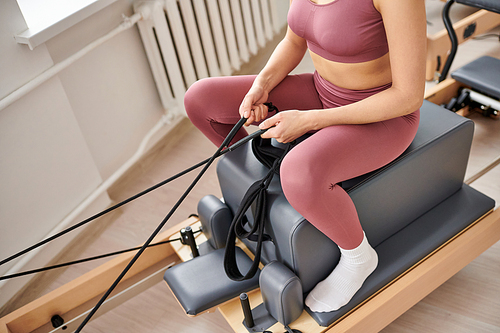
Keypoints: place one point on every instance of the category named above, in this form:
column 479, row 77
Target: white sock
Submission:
column 345, row 280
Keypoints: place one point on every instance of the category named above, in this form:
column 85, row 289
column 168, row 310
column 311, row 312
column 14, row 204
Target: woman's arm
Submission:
column 405, row 25
column 283, row 60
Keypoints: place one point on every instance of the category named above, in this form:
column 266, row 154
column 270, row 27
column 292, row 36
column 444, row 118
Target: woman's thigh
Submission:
column 338, row 153
column 311, row 171
column 213, row 104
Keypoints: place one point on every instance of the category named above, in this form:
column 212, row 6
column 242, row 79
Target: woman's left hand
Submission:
column 285, row 126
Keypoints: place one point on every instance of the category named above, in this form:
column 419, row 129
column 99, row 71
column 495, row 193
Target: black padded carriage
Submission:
column 482, row 74
column 408, row 209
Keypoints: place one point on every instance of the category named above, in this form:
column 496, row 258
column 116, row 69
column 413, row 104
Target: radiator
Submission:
column 187, row 40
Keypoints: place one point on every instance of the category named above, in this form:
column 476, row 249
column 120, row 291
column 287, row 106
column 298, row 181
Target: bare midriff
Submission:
column 354, row 76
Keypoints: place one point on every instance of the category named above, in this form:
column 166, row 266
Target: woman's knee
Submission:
column 298, row 178
column 196, row 97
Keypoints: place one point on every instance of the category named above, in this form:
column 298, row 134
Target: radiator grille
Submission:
column 187, row 40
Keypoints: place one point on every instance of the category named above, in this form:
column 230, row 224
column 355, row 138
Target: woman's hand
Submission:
column 252, row 107
column 288, row 126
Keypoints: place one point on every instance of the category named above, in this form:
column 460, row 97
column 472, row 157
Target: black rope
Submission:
column 90, row 219
column 152, row 188
column 80, row 261
column 223, row 146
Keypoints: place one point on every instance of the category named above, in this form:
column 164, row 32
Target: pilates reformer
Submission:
column 409, row 209
column 293, row 247
column 298, row 253
column 475, row 86
column 439, row 44
column 426, row 226
column 481, row 76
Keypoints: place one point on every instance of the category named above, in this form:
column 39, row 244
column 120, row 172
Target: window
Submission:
column 47, row 18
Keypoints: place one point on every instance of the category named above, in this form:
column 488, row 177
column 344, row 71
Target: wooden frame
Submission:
column 374, row 314
column 439, row 45
column 78, row 295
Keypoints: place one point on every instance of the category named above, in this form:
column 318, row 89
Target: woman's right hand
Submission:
column 252, row 107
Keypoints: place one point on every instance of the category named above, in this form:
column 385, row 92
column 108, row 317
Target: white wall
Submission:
column 124, row 102
column 61, row 140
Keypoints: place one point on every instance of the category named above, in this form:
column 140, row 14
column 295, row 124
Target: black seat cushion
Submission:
column 201, row 283
column 482, row 74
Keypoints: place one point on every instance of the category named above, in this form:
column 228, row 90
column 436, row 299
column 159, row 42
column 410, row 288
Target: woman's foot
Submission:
column 345, row 280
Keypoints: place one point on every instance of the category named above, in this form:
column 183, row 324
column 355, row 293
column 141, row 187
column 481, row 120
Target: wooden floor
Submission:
column 468, row 302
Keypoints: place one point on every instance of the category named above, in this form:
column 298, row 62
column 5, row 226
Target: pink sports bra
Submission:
column 347, row 31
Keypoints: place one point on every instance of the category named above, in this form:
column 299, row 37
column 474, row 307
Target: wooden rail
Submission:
column 87, row 287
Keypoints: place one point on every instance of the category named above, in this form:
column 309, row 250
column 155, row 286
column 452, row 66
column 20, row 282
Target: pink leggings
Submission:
column 311, row 171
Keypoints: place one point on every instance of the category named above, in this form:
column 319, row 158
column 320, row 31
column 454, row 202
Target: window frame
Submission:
column 37, row 35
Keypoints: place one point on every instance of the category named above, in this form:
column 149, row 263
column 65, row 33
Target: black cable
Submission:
column 223, row 146
column 80, row 261
column 82, row 223
column 39, row 270
column 154, row 187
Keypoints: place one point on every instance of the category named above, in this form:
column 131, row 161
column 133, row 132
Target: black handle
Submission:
column 245, row 304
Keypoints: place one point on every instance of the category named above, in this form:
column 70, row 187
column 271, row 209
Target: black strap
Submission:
column 263, row 150
column 256, row 193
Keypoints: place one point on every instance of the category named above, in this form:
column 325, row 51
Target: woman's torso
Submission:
column 346, row 39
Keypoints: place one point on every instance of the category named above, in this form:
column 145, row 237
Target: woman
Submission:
column 362, row 102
